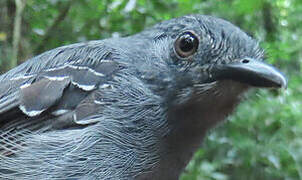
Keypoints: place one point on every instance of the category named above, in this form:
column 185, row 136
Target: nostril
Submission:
column 245, row 61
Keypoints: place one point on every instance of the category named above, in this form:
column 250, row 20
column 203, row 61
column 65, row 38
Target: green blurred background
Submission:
column 262, row 140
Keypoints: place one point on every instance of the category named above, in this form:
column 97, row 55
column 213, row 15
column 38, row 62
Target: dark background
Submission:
column 262, row 140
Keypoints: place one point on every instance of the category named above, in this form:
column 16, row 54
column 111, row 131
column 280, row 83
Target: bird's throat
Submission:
column 191, row 121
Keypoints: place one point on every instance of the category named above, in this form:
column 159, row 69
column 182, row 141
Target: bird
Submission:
column 135, row 107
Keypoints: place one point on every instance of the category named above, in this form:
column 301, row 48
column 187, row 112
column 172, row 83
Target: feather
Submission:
column 39, row 96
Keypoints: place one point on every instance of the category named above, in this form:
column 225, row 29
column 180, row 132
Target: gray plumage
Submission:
column 125, row 108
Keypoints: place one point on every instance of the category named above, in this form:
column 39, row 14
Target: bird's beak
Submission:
column 252, row 72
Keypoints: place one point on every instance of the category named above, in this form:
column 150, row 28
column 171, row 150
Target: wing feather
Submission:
column 53, row 91
column 47, row 90
column 39, row 96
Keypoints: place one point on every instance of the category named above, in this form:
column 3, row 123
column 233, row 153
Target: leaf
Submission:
column 3, row 36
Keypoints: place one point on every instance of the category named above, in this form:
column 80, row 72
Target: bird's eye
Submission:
column 186, row 44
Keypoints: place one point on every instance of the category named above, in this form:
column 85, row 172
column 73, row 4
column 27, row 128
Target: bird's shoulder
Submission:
column 70, row 88
column 56, row 81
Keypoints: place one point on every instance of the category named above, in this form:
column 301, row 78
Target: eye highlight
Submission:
column 186, row 44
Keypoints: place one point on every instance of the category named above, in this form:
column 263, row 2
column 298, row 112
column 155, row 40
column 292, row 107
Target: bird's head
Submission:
column 200, row 65
column 202, row 51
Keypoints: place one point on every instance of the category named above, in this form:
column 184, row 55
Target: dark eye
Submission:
column 186, row 44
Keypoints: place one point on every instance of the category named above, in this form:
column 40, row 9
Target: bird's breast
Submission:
column 190, row 121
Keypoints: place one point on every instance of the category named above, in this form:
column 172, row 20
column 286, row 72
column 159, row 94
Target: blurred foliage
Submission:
column 262, row 140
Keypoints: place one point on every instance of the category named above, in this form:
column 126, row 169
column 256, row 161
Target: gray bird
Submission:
column 126, row 108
